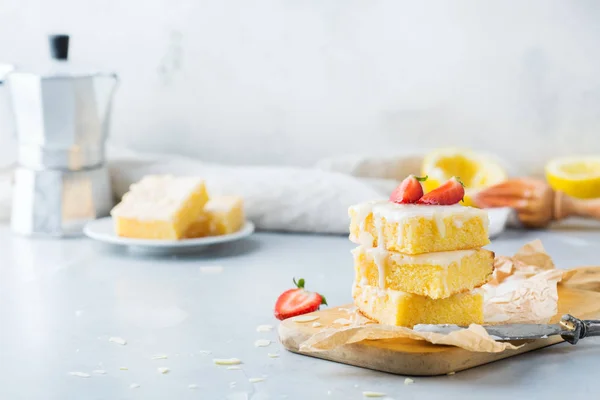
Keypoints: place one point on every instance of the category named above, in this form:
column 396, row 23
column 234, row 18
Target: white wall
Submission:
column 291, row 81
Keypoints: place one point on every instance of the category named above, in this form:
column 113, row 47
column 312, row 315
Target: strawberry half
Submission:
column 449, row 193
column 297, row 301
column 409, row 191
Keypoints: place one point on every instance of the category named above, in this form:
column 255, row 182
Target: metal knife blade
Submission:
column 503, row 332
column 569, row 328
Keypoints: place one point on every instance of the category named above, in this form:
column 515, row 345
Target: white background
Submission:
column 292, row 81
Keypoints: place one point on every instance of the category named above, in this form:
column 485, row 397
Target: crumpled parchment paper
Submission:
column 523, row 289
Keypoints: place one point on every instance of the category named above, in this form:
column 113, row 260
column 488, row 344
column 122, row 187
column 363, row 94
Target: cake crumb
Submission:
column 408, row 381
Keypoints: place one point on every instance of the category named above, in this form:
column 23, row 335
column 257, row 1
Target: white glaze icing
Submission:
column 362, row 211
column 379, row 256
column 379, row 229
column 156, row 197
column 402, row 213
column 441, row 258
column 365, row 239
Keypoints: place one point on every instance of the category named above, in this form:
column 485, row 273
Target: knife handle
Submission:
column 576, row 329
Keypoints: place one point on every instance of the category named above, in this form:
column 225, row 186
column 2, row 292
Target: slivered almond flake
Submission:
column 342, row 321
column 79, row 374
column 408, row 381
column 160, row 357
column 227, row 361
column 373, row 394
column 451, row 373
column 118, row 340
column 211, row 269
column 124, row 368
column 305, row 318
column 262, row 343
column 316, row 324
column 264, row 328
column 256, row 380
column 163, row 370
column 134, row 385
column 273, row 355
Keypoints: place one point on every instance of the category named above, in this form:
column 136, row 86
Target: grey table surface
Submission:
column 61, row 301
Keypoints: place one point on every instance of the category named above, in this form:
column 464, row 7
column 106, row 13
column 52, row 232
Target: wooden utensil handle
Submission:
column 566, row 206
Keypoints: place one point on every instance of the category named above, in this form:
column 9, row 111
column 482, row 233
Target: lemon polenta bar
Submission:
column 437, row 275
column 222, row 215
column 160, row 207
column 393, row 307
column 417, row 229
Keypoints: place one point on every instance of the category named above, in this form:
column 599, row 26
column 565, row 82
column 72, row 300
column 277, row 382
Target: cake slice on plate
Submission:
column 222, row 215
column 160, row 207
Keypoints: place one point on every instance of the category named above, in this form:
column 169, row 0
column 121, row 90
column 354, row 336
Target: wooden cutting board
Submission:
column 579, row 297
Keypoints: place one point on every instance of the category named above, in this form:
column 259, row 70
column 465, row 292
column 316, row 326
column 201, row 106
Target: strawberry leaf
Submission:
column 323, row 300
column 300, row 283
column 459, row 181
column 421, row 178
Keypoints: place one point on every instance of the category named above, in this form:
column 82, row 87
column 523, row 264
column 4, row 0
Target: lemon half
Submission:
column 476, row 170
column 575, row 176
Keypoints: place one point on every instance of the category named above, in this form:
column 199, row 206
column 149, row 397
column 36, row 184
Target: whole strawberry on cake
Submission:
column 419, row 259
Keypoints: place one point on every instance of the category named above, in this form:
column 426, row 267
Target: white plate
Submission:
column 103, row 230
column 499, row 217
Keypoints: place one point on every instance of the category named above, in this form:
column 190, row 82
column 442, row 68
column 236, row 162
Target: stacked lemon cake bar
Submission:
column 420, row 264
